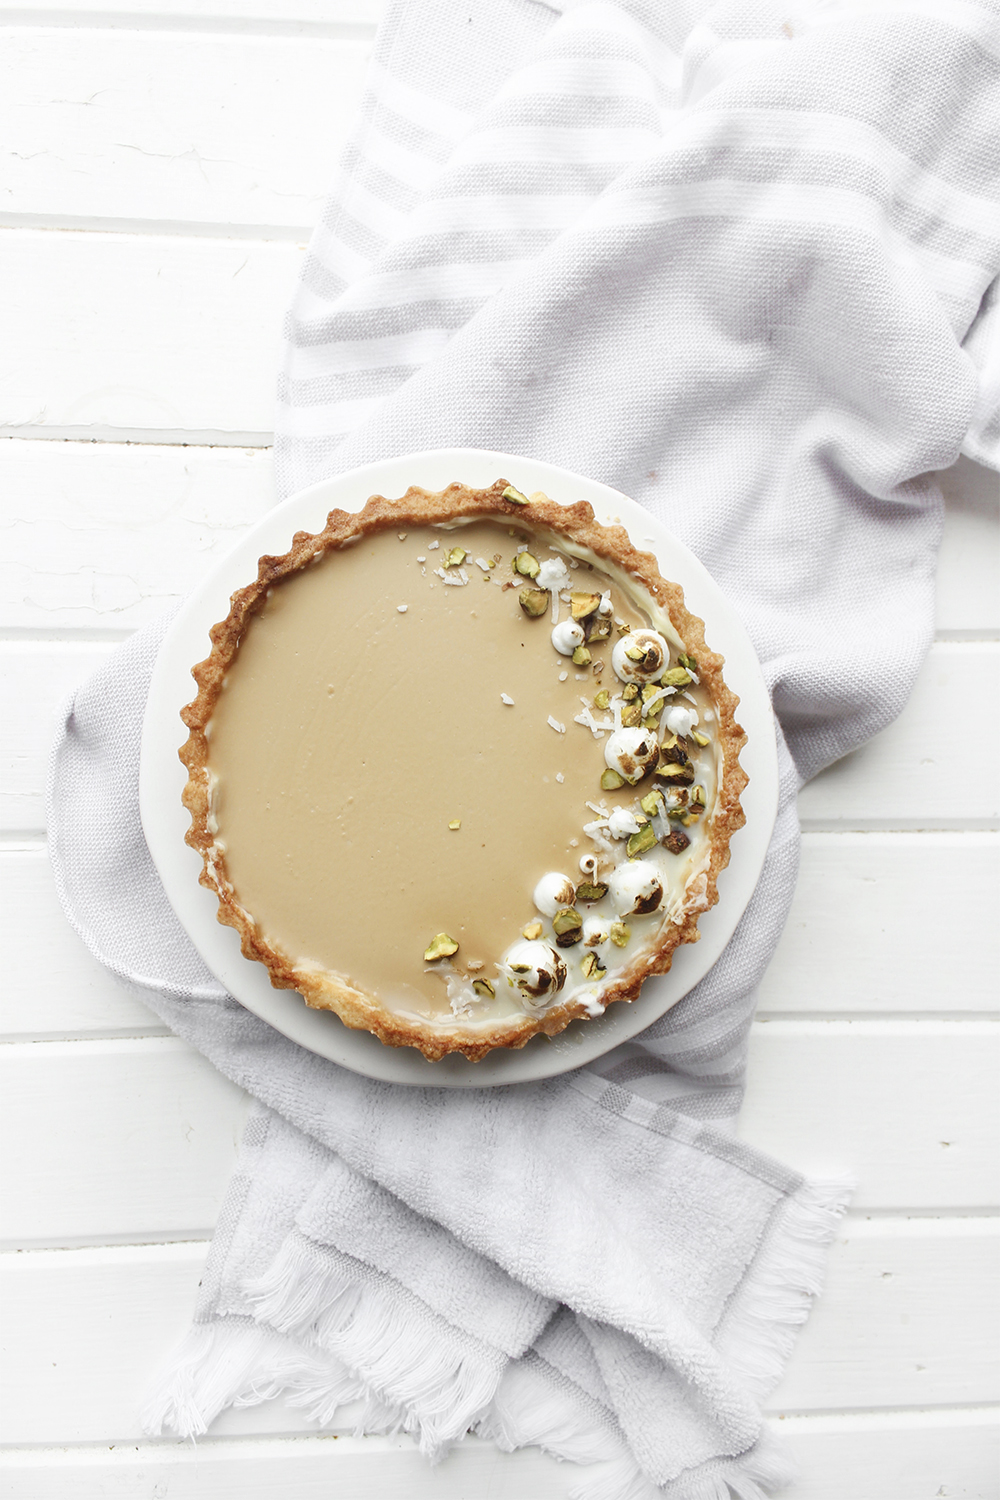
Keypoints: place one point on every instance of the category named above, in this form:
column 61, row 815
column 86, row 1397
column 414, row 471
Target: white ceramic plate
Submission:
column 162, row 776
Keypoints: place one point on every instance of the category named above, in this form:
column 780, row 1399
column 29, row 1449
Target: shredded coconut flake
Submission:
column 506, row 698
column 432, row 545
column 401, row 609
column 455, row 576
column 563, row 676
column 555, row 724
column 560, row 776
column 482, row 563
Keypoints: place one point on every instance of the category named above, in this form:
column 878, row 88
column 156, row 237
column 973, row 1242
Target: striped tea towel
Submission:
column 741, row 263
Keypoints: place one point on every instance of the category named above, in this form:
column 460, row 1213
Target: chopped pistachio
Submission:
column 591, row 966
column 688, row 662
column 669, row 742
column 441, row 946
column 639, row 842
column 598, row 668
column 454, row 557
column 591, row 891
column 622, row 628
column 635, row 653
column 651, row 721
column 630, row 692
column 581, row 657
column 495, row 559
column 455, row 824
column 700, row 739
column 676, row 677
column 648, row 690
column 483, row 988
column 652, row 803
column 526, row 565
column 514, row 496
column 602, row 699
column 599, row 628
column 698, row 795
column 675, row 841
column 673, row 773
column 534, row 602
column 611, row 781
column 631, row 716
column 531, row 931
column 691, row 817
column 619, row 933
column 567, row 924
column 581, row 604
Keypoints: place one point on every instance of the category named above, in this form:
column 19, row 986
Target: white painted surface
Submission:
column 168, row 209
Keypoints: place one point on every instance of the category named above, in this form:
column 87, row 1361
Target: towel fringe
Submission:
column 774, row 1301
column 419, row 1374
column 230, row 1362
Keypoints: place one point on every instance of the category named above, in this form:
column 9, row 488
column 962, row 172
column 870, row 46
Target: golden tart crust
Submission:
column 576, row 527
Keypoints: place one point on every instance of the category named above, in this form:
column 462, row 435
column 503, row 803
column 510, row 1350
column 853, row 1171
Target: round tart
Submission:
column 462, row 768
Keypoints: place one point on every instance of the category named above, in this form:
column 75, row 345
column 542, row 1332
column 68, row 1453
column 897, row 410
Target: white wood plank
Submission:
column 858, row 938
column 903, row 778
column 872, row 886
column 152, row 333
column 901, row 1321
column 35, row 679
column 115, row 1139
column 913, row 773
column 908, row 1107
column 135, row 125
column 103, row 535
column 177, row 14
column 52, row 985
column 887, row 1456
column 968, row 582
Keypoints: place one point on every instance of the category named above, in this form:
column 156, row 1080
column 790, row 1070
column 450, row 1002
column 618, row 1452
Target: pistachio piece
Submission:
column 455, row 824
column 591, row 966
column 669, row 742
column 581, row 657
column 495, row 560
column 639, row 842
column 619, row 933
column 591, row 891
column 611, row 781
column 441, row 946
column 525, row 564
column 691, row 817
column 454, row 557
column 484, row 989
column 652, row 803
column 634, row 654
column 567, row 924
column 672, row 773
column 602, row 699
column 688, row 662
column 514, row 496
column 675, row 841
column 698, row 795
column 581, row 605
column 531, row 931
column 534, row 602
column 599, row 628
column 676, row 677
column 631, row 716
column 651, row 722
column 630, row 693
column 700, row 739
column 622, row 628
column 649, row 690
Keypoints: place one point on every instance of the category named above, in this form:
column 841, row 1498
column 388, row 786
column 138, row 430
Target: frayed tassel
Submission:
column 229, row 1362
column 420, row 1375
column 764, row 1319
column 533, row 1408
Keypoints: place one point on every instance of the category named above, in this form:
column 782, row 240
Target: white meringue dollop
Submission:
column 631, row 752
column 552, row 892
column 654, row 659
column 635, row 888
column 566, row 636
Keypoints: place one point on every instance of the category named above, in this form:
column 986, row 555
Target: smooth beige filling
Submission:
column 350, row 734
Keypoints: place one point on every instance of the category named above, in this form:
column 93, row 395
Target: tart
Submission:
column 462, row 768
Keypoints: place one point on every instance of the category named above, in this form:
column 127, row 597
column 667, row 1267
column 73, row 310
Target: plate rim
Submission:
column 162, row 777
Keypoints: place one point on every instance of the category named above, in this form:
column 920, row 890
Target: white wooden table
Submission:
column 166, row 163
